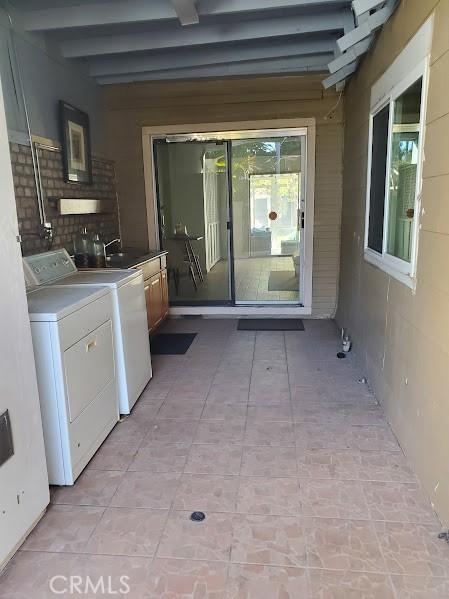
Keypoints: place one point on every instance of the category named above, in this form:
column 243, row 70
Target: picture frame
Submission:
column 76, row 146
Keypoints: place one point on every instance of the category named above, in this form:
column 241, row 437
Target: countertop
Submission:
column 129, row 258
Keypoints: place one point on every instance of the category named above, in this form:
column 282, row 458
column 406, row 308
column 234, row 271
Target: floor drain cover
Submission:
column 197, row 516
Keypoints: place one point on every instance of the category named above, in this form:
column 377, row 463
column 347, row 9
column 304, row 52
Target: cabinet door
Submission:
column 155, row 307
column 164, row 293
column 148, row 302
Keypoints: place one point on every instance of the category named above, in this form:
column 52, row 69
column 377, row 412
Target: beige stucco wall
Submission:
column 131, row 107
column 403, row 337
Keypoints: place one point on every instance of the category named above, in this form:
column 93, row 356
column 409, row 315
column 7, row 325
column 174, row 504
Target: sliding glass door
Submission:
column 192, row 192
column 267, row 198
column 231, row 215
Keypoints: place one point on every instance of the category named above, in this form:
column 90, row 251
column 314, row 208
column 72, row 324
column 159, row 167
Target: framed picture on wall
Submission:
column 76, row 150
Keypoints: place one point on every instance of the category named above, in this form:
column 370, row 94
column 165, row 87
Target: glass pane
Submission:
column 193, row 214
column 378, row 178
column 403, row 168
column 266, row 187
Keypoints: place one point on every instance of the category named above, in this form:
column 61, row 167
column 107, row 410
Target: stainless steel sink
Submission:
column 116, row 255
column 124, row 258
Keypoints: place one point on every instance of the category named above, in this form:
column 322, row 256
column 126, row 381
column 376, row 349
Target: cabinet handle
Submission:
column 91, row 345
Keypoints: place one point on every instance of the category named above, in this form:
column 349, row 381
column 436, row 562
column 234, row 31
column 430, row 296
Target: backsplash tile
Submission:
column 54, row 186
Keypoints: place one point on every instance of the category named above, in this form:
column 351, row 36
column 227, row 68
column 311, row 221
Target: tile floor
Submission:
column 306, row 492
column 251, row 281
column 252, row 275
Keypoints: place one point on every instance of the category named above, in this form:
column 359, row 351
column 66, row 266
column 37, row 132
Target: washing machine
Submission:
column 132, row 347
column 72, row 333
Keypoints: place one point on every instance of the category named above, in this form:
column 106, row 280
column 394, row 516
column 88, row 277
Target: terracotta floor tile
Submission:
column 187, row 579
column 207, row 540
column 343, row 545
column 334, row 435
column 214, row 459
column 274, row 434
column 270, row 540
column 161, row 457
column 224, row 411
column 260, row 495
column 413, row 549
column 113, row 456
column 29, row 574
column 280, row 413
column 228, row 392
column 219, row 431
column 306, row 510
column 156, row 390
column 171, row 431
column 400, row 502
column 145, row 412
column 188, row 390
column 181, row 410
column 251, row 581
column 269, row 395
column 93, row 487
column 333, row 412
column 420, row 587
column 205, row 492
column 374, row 438
column 65, row 528
column 269, row 461
column 128, row 531
column 146, row 489
column 328, row 463
column 270, row 365
column 333, row 499
column 350, row 585
column 307, row 393
column 121, row 576
column 129, row 430
column 385, row 466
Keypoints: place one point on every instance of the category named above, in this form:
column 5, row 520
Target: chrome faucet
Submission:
column 118, row 240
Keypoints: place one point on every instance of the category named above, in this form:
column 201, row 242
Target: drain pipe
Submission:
column 45, row 230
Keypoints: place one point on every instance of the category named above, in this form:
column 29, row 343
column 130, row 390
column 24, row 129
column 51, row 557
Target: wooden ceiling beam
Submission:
column 186, row 11
column 169, row 37
column 193, row 57
column 140, row 11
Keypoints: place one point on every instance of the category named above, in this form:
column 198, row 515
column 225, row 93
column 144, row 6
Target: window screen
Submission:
column 404, row 159
column 378, row 176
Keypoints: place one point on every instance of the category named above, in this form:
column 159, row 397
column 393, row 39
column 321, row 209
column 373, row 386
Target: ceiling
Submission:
column 145, row 40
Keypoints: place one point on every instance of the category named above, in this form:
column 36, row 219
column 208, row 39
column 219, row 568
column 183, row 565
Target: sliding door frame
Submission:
column 228, row 131
column 229, row 301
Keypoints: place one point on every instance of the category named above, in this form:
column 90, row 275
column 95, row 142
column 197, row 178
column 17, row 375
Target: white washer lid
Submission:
column 108, row 278
column 48, row 303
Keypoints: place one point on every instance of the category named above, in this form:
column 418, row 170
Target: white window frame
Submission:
column 414, row 60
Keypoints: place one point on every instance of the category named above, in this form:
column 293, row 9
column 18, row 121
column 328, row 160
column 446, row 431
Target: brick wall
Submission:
column 54, row 186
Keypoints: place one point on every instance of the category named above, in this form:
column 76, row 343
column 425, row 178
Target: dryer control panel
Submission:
column 47, row 267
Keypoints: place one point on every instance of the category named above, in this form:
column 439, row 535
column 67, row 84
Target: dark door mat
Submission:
column 270, row 324
column 283, row 280
column 171, row 343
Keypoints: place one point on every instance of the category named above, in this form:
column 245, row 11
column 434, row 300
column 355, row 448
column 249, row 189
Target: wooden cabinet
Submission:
column 156, row 291
column 164, row 283
column 154, row 308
